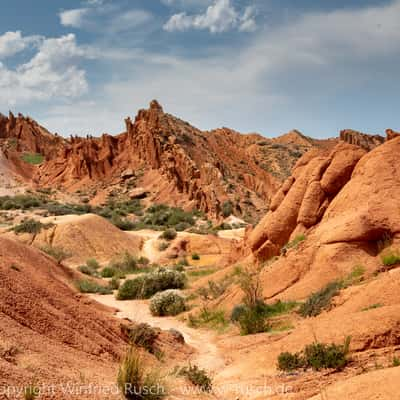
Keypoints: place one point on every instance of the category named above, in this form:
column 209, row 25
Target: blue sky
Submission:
column 267, row 66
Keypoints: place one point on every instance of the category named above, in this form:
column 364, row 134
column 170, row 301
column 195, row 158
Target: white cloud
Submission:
column 51, row 73
column 185, row 4
column 74, row 18
column 248, row 21
column 12, row 43
column 221, row 16
column 105, row 18
column 129, row 19
column 245, row 88
column 95, row 2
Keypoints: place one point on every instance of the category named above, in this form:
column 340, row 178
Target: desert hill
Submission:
column 164, row 158
column 48, row 333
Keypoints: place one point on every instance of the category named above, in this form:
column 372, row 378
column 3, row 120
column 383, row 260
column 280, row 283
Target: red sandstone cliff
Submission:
column 179, row 164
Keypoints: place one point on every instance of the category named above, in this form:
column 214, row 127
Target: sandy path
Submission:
column 207, row 354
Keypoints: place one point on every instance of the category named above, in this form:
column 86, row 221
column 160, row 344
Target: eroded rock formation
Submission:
column 367, row 142
column 178, row 164
column 304, row 197
column 29, row 136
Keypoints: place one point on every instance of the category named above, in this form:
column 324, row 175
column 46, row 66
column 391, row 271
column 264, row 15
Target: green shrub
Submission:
column 162, row 215
column 146, row 285
column 32, row 158
column 86, row 286
column 57, row 209
column 143, row 335
column 58, row 253
column 195, row 256
column 19, row 201
column 279, row 308
column 87, row 270
column 197, row 377
column 316, row 356
column 249, row 282
column 181, row 226
column 125, row 263
column 137, row 382
column 290, row 361
column 163, row 246
column 169, row 234
column 295, row 242
column 144, row 261
column 252, row 321
column 214, row 289
column 237, row 312
column 108, row 272
column 212, row 319
column 268, row 310
column 122, row 223
column 180, row 265
column 120, row 208
column 168, row 302
column 355, row 276
column 320, row 300
column 396, row 362
column 30, row 226
column 320, row 355
column 227, row 208
column 92, row 263
column 114, row 283
column 390, row 259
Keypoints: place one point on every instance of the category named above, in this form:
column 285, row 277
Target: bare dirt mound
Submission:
column 364, row 387
column 87, row 236
column 48, row 332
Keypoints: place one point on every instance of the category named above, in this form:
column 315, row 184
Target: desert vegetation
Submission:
column 197, row 377
column 316, row 356
column 144, row 336
column 138, row 382
column 90, row 286
column 56, row 252
column 146, row 285
column 321, row 300
column 391, row 258
column 32, row 158
column 31, row 226
column 168, row 302
column 209, row 318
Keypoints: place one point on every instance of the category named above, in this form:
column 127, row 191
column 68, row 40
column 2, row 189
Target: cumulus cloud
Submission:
column 51, row 73
column 129, row 19
column 283, row 76
column 185, row 4
column 247, row 20
column 74, row 18
column 12, row 43
column 219, row 17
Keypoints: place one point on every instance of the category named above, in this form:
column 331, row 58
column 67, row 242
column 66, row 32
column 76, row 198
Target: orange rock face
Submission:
column 391, row 134
column 178, row 164
column 29, row 136
column 171, row 161
column 367, row 142
column 302, row 200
